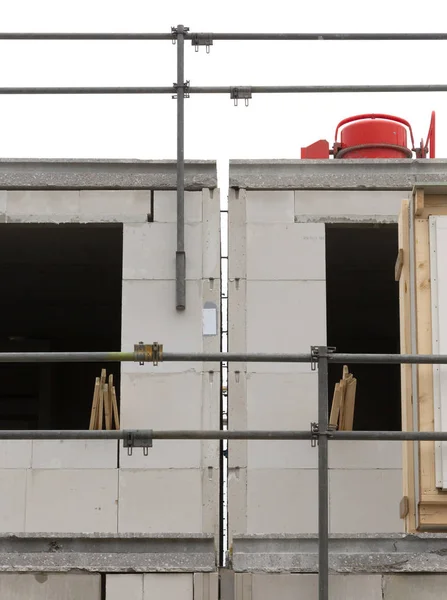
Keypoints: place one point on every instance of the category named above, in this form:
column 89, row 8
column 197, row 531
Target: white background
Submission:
column 274, row 126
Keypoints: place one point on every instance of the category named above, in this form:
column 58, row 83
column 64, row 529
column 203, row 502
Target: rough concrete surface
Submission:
column 49, row 586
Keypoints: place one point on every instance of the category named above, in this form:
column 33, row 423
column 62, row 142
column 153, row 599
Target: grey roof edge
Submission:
column 349, row 174
column 116, row 553
column 113, row 174
column 374, row 553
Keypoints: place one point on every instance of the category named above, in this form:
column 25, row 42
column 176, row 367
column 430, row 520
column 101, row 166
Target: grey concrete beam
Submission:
column 36, row 174
column 398, row 553
column 342, row 174
column 125, row 553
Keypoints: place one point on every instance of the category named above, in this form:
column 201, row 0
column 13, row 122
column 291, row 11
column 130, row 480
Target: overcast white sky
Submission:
column 274, row 126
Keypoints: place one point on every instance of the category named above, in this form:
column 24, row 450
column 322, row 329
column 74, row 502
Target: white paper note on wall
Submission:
column 209, row 319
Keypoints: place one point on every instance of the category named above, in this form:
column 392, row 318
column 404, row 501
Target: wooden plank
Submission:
column 399, row 264
column 107, row 408
column 406, row 380
column 424, row 346
column 94, row 413
column 335, row 408
column 341, row 418
column 418, row 202
column 115, row 409
column 351, row 385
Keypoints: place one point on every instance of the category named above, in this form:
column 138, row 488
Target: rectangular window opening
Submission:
column 61, row 292
column 363, row 317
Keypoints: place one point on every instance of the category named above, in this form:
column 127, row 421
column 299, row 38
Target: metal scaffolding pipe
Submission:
column 180, row 256
column 51, row 357
column 144, row 434
column 421, row 436
column 304, row 37
column 399, row 359
column 323, row 478
column 216, row 434
column 257, row 89
column 42, row 357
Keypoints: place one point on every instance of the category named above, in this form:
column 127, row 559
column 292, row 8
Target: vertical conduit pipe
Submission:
column 180, row 257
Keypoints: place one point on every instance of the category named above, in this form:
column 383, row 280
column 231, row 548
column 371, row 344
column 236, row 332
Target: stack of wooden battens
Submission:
column 343, row 402
column 104, row 405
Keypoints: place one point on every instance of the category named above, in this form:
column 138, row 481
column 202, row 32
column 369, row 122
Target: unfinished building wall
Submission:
column 277, row 303
column 93, row 494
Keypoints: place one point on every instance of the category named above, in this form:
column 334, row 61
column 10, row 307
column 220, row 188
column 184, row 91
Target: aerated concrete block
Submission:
column 160, row 501
column 305, row 587
column 69, row 500
column 149, row 314
column 149, row 250
column 286, row 252
column 356, row 206
column 414, row 587
column 50, row 586
column 75, row 454
column 281, row 501
column 164, row 586
column 365, row 501
column 120, row 206
column 36, row 206
column 285, row 317
column 206, row 586
column 15, row 454
column 124, row 587
column 356, row 454
column 283, row 402
column 165, row 206
column 12, row 500
column 269, row 206
column 211, row 234
column 166, row 401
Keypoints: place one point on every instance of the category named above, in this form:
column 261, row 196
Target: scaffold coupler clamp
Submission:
column 315, row 354
column 148, row 353
column 138, row 439
column 202, row 39
column 314, row 432
column 241, row 93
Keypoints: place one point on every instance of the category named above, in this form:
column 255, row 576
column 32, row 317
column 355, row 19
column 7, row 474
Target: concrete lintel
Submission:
column 359, row 174
column 112, row 553
column 348, row 554
column 38, row 174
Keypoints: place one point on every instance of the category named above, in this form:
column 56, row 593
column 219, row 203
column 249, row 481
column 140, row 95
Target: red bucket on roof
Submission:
column 373, row 136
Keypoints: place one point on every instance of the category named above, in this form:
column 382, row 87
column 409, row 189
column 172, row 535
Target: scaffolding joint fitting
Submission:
column 148, row 353
column 241, row 93
column 315, row 434
column 202, row 39
column 317, row 352
column 137, row 439
column 183, row 86
column 176, row 30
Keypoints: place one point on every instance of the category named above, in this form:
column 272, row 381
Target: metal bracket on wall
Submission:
column 148, row 353
column 131, row 441
column 202, row 39
column 241, row 93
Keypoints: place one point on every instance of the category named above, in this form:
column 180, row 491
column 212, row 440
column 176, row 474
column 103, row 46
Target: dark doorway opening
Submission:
column 363, row 316
column 61, row 292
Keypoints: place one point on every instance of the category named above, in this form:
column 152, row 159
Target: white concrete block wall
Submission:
column 50, row 586
column 92, row 487
column 162, row 586
column 176, row 487
column 277, row 303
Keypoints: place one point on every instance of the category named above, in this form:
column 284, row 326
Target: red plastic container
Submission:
column 373, row 136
